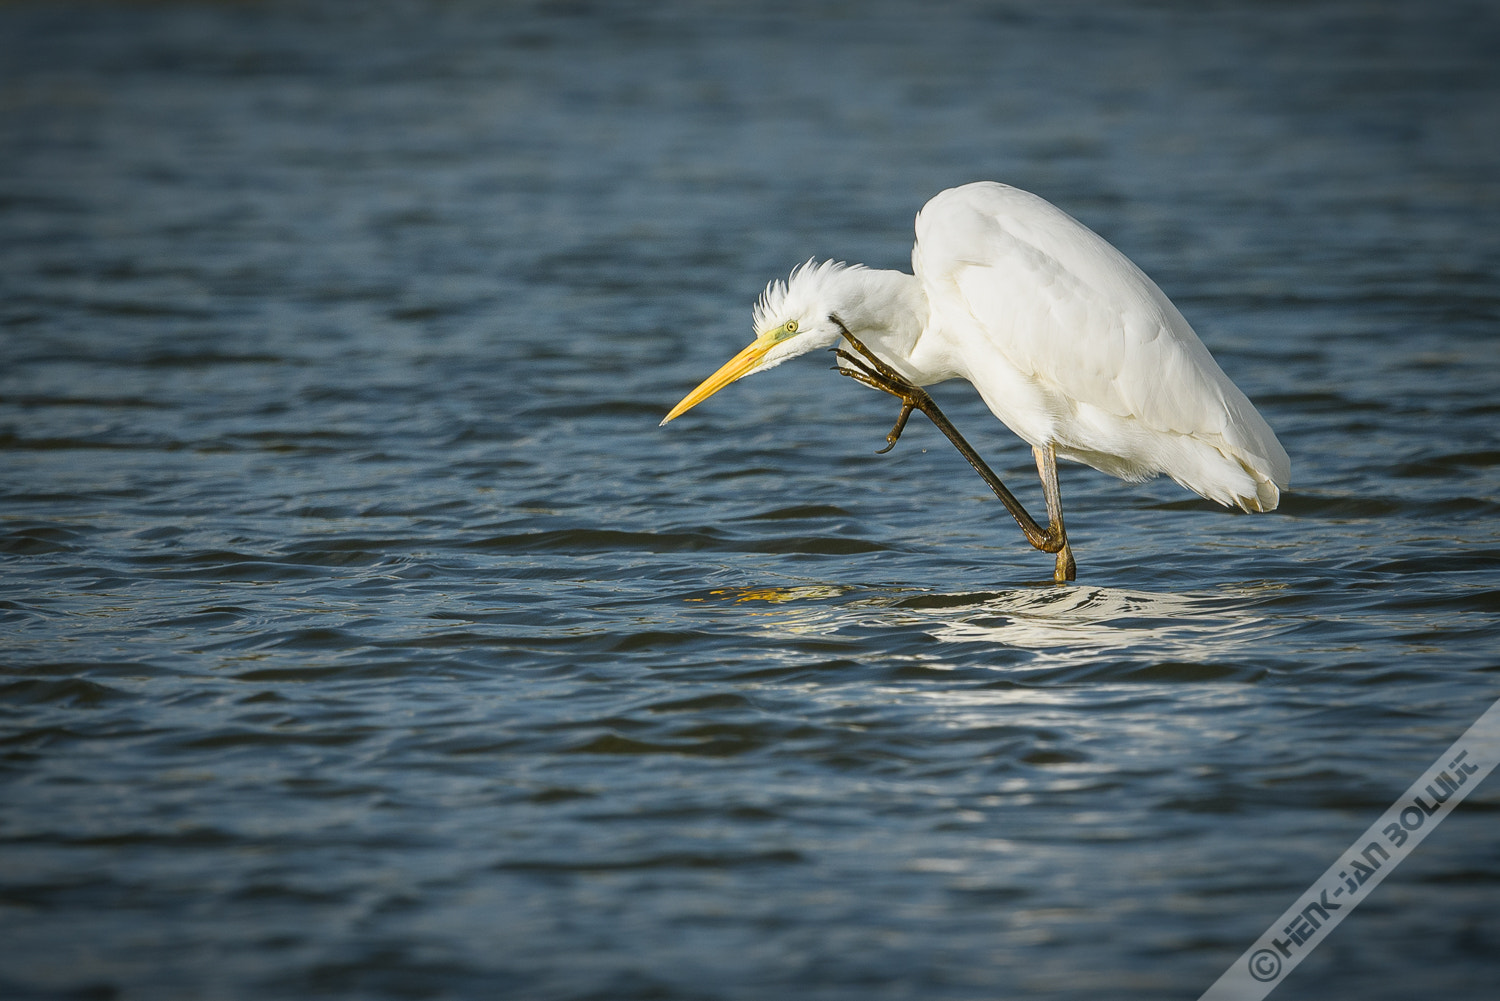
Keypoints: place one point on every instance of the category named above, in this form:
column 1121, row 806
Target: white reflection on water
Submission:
column 1078, row 624
column 1056, row 626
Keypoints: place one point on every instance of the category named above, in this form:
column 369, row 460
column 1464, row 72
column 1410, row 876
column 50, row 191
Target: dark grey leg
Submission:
column 875, row 373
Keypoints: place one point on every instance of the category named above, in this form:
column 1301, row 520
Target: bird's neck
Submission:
column 885, row 309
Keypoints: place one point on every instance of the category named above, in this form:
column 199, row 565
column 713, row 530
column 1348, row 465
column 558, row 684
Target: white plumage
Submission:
column 1066, row 340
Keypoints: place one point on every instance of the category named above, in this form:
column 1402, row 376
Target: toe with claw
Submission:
column 876, row 374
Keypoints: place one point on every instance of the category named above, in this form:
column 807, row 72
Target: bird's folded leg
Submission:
column 875, row 373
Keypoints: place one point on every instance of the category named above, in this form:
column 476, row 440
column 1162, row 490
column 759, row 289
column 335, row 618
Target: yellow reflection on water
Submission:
column 781, row 594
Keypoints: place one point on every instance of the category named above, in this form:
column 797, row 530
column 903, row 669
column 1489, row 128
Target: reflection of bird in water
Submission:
column 1067, row 341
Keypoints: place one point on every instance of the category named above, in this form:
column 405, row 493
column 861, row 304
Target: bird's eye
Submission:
column 791, row 326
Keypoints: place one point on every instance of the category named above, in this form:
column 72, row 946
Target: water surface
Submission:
column 364, row 636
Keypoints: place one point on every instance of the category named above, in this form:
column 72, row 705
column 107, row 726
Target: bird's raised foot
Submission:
column 888, row 381
column 911, row 397
column 884, row 371
column 876, row 374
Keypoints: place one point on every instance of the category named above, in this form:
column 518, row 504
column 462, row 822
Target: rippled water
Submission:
column 363, row 636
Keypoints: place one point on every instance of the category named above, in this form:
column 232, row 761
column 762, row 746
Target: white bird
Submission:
column 1066, row 340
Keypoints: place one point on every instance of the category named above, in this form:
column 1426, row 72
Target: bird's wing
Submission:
column 1068, row 310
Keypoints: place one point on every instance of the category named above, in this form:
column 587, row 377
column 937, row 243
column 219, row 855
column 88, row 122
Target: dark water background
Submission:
column 364, row 637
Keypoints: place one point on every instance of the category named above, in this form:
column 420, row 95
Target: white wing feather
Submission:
column 1119, row 377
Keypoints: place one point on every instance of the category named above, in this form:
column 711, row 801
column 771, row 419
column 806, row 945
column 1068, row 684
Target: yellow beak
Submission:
column 737, row 367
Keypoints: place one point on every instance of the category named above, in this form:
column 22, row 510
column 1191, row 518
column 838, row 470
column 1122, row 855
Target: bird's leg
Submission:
column 895, row 385
column 875, row 373
column 912, row 397
column 1046, row 466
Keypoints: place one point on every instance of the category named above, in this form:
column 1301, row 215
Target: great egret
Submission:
column 1067, row 341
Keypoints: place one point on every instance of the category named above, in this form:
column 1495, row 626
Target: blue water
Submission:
column 363, row 635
